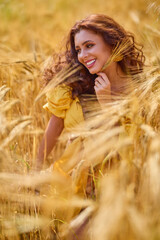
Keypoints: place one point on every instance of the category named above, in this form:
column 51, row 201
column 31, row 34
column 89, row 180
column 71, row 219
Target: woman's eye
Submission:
column 78, row 51
column 89, row 45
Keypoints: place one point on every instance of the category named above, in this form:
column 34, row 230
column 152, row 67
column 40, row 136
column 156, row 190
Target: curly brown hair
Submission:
column 113, row 34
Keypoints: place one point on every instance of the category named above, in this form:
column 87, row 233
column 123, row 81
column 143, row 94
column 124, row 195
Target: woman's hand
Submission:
column 102, row 88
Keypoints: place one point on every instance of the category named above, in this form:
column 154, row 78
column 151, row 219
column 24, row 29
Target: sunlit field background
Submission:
column 126, row 201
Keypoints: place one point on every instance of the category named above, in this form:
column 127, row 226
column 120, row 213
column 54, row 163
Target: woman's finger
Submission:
column 95, row 88
column 100, row 80
column 98, row 84
column 103, row 77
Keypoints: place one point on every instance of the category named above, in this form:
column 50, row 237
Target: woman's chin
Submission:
column 93, row 71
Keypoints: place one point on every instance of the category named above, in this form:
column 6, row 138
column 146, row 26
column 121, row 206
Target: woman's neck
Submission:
column 118, row 79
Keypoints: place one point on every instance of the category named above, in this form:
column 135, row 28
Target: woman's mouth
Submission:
column 90, row 63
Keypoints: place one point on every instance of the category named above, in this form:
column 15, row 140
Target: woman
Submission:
column 109, row 57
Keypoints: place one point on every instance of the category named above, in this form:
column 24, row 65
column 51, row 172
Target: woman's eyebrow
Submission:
column 84, row 43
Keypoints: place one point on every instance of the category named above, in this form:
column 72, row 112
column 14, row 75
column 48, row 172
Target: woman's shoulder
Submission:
column 59, row 100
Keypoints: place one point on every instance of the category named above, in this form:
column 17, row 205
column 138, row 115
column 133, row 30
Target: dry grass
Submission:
column 125, row 202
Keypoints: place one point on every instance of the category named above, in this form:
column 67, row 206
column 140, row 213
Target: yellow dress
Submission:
column 71, row 164
column 61, row 104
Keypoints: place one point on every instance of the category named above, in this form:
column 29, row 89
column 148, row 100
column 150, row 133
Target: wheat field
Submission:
column 126, row 199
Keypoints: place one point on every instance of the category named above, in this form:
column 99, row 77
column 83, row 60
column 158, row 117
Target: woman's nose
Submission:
column 83, row 54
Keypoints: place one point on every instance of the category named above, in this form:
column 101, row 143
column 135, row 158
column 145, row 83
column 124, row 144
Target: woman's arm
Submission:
column 52, row 132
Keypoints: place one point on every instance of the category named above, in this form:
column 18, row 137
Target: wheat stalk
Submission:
column 121, row 49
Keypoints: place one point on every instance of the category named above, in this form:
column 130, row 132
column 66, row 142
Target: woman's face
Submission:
column 92, row 51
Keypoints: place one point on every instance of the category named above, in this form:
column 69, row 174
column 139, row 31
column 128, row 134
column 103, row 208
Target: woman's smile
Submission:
column 92, row 50
column 90, row 63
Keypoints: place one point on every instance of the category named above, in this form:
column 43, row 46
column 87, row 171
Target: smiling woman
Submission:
column 94, row 39
column 107, row 58
column 91, row 44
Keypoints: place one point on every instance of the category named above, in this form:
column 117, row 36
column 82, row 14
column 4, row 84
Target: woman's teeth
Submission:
column 89, row 63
